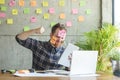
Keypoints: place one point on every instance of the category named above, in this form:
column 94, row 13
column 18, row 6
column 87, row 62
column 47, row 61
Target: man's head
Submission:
column 58, row 34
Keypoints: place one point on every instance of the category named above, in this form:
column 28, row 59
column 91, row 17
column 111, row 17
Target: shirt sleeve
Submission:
column 28, row 43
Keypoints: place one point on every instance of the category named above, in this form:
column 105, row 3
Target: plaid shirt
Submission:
column 45, row 56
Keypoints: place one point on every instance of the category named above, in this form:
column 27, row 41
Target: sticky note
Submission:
column 82, row 3
column 52, row 24
column 9, row 21
column 33, row 19
column 74, row 11
column 51, row 10
column 62, row 16
column 33, row 3
column 80, row 18
column 2, row 1
column 88, row 11
column 2, row 15
column 61, row 3
column 26, row 28
column 26, row 10
column 68, row 23
column 38, row 11
column 62, row 35
column 12, row 3
column 53, row 39
column 21, row 3
column 3, row 8
column 45, row 3
column 46, row 16
column 14, row 11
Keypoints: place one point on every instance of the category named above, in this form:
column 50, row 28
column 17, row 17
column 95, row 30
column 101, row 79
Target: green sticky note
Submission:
column 9, row 21
column 2, row 1
column 52, row 24
column 88, row 11
column 26, row 28
column 82, row 3
column 26, row 10
column 3, row 8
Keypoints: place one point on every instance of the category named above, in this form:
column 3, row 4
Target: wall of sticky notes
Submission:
column 77, row 15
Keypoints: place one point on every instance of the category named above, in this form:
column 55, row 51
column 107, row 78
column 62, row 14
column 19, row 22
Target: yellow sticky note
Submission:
column 33, row 3
column 45, row 3
column 80, row 18
column 21, row 3
column 9, row 21
column 61, row 3
column 38, row 11
column 2, row 1
column 62, row 16
column 26, row 28
column 3, row 8
column 46, row 16
column 14, row 11
column 52, row 24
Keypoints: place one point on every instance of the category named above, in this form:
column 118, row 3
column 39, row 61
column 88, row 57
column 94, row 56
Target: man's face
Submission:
column 58, row 37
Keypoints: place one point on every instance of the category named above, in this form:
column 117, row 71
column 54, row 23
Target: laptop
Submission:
column 83, row 63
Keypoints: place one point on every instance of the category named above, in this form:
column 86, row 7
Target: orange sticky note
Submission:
column 80, row 18
column 33, row 3
column 21, row 3
column 62, row 16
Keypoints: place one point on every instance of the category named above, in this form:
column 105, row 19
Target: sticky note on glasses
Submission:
column 62, row 34
column 53, row 40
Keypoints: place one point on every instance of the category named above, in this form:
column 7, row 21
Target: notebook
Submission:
column 83, row 63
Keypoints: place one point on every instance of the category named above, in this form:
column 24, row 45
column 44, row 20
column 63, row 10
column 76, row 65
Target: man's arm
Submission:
column 26, row 34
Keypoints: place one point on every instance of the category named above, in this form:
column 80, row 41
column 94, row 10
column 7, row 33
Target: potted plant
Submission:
column 102, row 40
column 114, row 56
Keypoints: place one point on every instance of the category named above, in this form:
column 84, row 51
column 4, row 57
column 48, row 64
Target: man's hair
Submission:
column 56, row 26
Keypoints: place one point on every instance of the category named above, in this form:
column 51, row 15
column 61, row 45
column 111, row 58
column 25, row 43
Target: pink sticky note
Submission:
column 12, row 3
column 2, row 15
column 52, row 10
column 62, row 34
column 74, row 11
column 33, row 19
column 68, row 23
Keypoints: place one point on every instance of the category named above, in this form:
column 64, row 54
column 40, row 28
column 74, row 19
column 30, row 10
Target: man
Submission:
column 45, row 53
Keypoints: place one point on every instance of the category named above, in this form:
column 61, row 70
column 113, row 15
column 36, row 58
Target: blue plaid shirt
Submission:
column 45, row 56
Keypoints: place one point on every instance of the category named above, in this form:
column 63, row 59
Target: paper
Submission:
column 68, row 51
column 2, row 1
column 12, row 3
column 33, row 19
column 9, row 21
column 26, row 28
column 26, row 10
column 74, row 11
column 46, row 16
column 14, row 11
column 33, row 3
column 3, row 8
column 80, row 18
column 61, row 3
column 38, row 11
column 68, row 23
column 2, row 15
column 62, row 16
column 45, row 3
column 51, row 10
column 21, row 2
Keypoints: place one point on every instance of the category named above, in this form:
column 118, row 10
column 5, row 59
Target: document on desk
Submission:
column 64, row 58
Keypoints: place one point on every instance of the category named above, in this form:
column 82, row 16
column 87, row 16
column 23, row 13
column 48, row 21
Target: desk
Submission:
column 8, row 76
